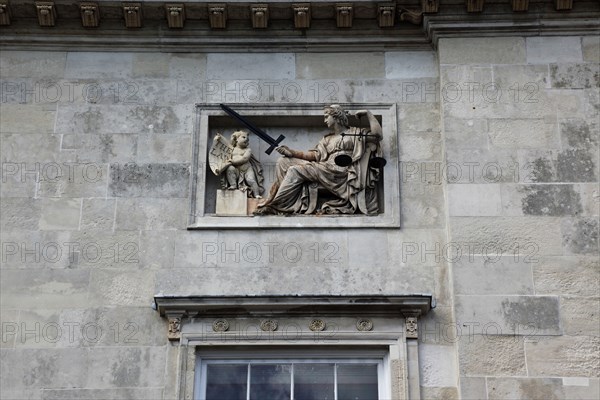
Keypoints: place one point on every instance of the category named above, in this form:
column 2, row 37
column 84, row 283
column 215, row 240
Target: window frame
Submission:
column 296, row 355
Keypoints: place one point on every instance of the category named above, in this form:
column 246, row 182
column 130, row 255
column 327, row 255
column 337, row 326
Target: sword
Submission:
column 259, row 132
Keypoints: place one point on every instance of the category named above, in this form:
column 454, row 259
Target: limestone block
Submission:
column 580, row 235
column 540, row 199
column 70, row 368
column 569, row 103
column 130, row 367
column 581, row 388
column 446, row 393
column 41, row 64
column 186, row 66
column 250, row 66
column 487, row 275
column 417, row 248
column 125, row 118
column 472, row 200
column 437, row 365
column 14, row 184
column 577, row 276
column 472, row 388
column 165, row 149
column 519, row 315
column 465, row 133
column 231, row 202
column 150, row 65
column 149, row 180
column 525, row 388
column 570, row 165
column 545, row 50
column 74, row 180
column 27, row 289
column 420, row 146
column 443, row 292
column 490, row 355
column 27, row 118
column 151, row 213
column 97, row 65
column 410, row 64
column 568, row 356
column 591, row 49
column 368, row 247
column 96, row 149
column 589, row 198
column 423, row 91
column 106, row 249
column 60, row 214
column 340, row 65
column 575, row 76
column 419, row 118
column 423, row 212
column 579, row 133
column 35, row 249
column 98, row 214
column 580, row 316
column 194, row 249
column 20, row 213
column 10, row 323
column 117, row 288
column 523, row 133
column 505, row 50
column 527, row 236
column 45, row 329
column 100, row 394
column 438, row 326
column 157, row 249
column 6, row 392
column 521, row 83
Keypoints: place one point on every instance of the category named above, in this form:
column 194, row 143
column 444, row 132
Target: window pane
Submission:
column 270, row 381
column 226, row 382
column 357, row 382
column 313, row 381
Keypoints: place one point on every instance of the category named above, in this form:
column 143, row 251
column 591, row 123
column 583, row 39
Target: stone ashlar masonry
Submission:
column 498, row 150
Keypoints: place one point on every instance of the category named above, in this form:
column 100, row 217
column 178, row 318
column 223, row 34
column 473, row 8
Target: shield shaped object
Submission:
column 219, row 153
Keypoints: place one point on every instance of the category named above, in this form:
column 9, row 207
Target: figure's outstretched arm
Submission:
column 374, row 125
column 303, row 155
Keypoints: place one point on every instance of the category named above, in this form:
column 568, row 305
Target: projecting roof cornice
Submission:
column 275, row 25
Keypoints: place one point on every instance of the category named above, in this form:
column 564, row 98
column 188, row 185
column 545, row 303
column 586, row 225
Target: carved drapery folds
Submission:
column 132, row 12
column 46, row 13
column 175, row 15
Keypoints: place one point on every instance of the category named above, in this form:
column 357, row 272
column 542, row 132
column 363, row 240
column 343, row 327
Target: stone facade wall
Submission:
column 83, row 254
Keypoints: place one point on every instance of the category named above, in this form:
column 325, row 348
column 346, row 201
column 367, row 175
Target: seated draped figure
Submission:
column 350, row 184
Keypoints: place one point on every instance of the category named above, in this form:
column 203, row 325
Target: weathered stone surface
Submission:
column 150, row 65
column 417, row 248
column 575, row 76
column 491, row 275
column 106, row 249
column 74, row 180
column 422, row 211
column 552, row 200
column 15, row 64
column 96, row 65
column 187, row 66
column 33, row 249
column 69, row 366
column 149, row 180
column 101, row 394
column 577, row 276
column 545, row 50
column 151, row 214
column 523, row 133
column 231, row 202
column 98, row 214
column 164, row 149
column 437, row 365
column 581, row 388
column 14, row 184
column 491, row 355
column 530, row 236
column 580, row 316
column 525, row 388
column 570, row 165
column 421, row 146
column 419, row 118
column 465, row 133
column 127, row 367
column 470, row 165
column 125, row 118
column 473, row 200
column 121, row 288
column 575, row 356
column 591, row 49
column 27, row 289
column 580, row 235
column 26, row 118
column 520, row 83
column 589, row 198
column 438, row 327
column 10, row 328
column 519, row 315
column 157, row 249
column 96, row 149
column 446, row 393
column 20, row 213
column 417, row 90
column 472, row 388
column 340, row 65
column 250, row 66
column 579, row 133
column 60, row 214
column 410, row 64
column 506, row 50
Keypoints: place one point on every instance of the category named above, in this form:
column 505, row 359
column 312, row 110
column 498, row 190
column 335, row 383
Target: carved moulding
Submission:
column 301, row 15
column 260, row 15
column 90, row 15
column 344, row 12
column 287, row 119
column 132, row 12
column 46, row 13
column 175, row 15
column 386, row 15
column 217, row 15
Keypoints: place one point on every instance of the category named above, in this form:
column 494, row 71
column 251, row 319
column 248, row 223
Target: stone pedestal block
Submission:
column 231, row 202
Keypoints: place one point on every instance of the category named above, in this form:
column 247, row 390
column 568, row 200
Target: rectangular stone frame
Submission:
column 390, row 218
